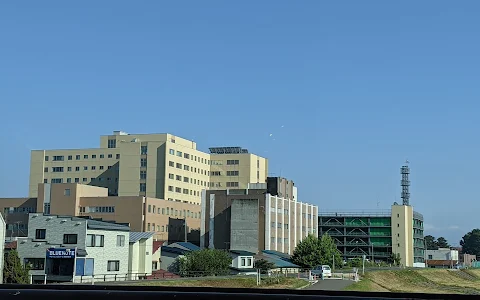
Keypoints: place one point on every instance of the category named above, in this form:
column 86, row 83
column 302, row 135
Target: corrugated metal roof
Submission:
column 242, row 252
column 277, row 253
column 173, row 250
column 136, row 236
column 186, row 245
column 95, row 224
column 278, row 262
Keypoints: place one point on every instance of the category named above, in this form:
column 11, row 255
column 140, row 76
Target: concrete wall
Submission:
column 247, row 260
column 244, row 229
column 140, row 260
column 168, row 260
column 402, row 233
column 442, row 254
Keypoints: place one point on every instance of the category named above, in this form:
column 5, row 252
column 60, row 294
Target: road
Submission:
column 330, row 285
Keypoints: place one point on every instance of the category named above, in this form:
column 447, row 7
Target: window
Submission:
column 186, row 179
column 179, row 166
column 58, row 158
column 143, row 187
column 149, row 208
column 243, row 262
column 102, row 155
column 117, row 156
column 186, row 155
column 85, row 156
column 69, row 238
column 215, row 173
column 120, row 240
column 69, row 180
column 57, row 180
column 77, row 157
column 57, row 169
column 232, row 162
column 143, row 162
column 178, row 177
column 40, row 234
column 35, row 263
column 77, row 169
column 143, row 174
column 249, row 262
column 170, row 188
column 95, row 240
column 179, row 154
column 143, row 150
column 232, row 173
column 45, row 169
column 112, row 143
column 232, row 184
column 66, row 192
column 186, row 167
column 85, row 168
column 77, row 180
column 93, row 167
column 101, row 167
column 171, row 151
column 398, row 225
column 110, row 156
column 178, row 190
column 171, row 164
column 84, row 179
column 113, row 265
column 46, row 158
column 185, row 191
column 69, row 169
column 430, row 256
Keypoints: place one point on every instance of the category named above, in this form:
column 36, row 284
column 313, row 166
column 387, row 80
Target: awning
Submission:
column 81, row 253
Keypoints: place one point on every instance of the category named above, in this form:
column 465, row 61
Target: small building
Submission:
column 168, row 257
column 3, row 228
column 242, row 262
column 442, row 258
column 140, row 256
column 156, row 255
column 72, row 249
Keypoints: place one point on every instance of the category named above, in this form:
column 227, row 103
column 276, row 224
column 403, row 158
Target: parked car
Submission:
column 324, row 270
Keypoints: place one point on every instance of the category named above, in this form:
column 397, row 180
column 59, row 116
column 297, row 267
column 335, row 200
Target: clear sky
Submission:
column 349, row 90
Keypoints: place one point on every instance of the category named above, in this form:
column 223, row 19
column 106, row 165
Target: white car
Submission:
column 324, row 269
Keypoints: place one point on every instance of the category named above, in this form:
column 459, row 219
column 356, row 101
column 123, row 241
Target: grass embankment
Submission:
column 282, row 283
column 438, row 281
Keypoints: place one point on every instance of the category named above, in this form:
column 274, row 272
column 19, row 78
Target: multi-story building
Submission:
column 234, row 167
column 166, row 219
column 60, row 248
column 377, row 234
column 253, row 220
column 160, row 166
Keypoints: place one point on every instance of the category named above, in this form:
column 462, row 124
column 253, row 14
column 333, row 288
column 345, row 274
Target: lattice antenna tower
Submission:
column 405, row 183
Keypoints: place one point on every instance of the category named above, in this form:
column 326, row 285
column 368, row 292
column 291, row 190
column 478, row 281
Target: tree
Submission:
column 14, row 271
column 442, row 243
column 312, row 252
column 396, row 259
column 264, row 265
column 205, row 262
column 471, row 242
column 431, row 243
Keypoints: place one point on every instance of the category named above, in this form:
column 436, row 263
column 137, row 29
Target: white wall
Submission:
column 2, row 245
column 442, row 254
column 237, row 262
column 140, row 260
column 109, row 252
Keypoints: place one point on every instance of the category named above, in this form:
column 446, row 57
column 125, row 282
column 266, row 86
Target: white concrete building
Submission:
column 442, row 254
column 140, row 258
column 3, row 228
column 63, row 248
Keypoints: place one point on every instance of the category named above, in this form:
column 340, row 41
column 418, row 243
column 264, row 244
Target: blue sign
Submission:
column 60, row 253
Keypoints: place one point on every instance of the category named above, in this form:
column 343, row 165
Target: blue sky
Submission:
column 358, row 86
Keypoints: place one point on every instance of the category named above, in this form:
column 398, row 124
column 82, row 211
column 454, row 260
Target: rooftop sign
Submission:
column 228, row 150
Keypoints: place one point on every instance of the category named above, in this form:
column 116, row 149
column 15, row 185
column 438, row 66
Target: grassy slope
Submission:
column 418, row 281
column 285, row 283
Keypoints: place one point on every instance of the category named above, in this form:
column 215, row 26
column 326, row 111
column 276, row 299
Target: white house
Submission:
column 242, row 262
column 64, row 248
column 140, row 259
column 3, row 228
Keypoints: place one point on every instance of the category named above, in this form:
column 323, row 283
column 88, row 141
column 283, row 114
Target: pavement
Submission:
column 330, row 285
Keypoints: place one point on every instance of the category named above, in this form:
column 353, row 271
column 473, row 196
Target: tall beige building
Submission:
column 160, row 166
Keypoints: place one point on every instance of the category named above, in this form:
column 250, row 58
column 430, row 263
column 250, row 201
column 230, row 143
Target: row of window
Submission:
column 93, row 240
column 180, row 166
column 279, row 225
column 169, row 211
column 77, row 169
column 11, row 210
column 77, row 180
column 279, row 240
column 78, row 157
column 97, row 209
column 39, row 264
column 187, row 179
column 188, row 156
column 183, row 191
column 165, row 228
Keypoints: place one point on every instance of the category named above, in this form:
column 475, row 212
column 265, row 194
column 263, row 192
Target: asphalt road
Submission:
column 330, row 285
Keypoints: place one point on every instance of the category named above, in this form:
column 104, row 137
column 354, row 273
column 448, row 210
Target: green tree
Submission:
column 471, row 242
column 13, row 270
column 205, row 262
column 264, row 265
column 431, row 243
column 442, row 243
column 312, row 252
column 396, row 259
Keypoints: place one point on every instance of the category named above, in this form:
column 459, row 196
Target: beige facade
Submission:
column 253, row 220
column 144, row 214
column 159, row 166
column 402, row 233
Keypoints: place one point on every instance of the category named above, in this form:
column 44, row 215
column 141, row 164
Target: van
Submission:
column 322, row 270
